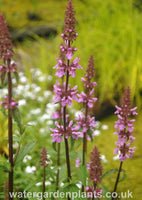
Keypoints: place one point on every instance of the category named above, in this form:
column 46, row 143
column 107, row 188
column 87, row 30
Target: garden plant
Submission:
column 64, row 170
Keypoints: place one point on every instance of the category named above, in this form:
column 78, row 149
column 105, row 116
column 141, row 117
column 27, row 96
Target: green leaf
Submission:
column 82, row 172
column 31, row 184
column 24, row 151
column 124, row 175
column 17, row 118
column 109, row 172
column 4, row 165
column 16, row 76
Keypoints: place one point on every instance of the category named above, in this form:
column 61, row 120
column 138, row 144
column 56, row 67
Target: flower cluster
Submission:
column 11, row 105
column 124, row 127
column 85, row 121
column 69, row 24
column 12, row 68
column 65, row 95
column 43, row 158
column 95, row 173
column 59, row 132
column 62, row 67
column 6, row 46
column 85, row 124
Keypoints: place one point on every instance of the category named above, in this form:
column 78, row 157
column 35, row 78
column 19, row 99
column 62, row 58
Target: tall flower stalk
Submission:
column 84, row 120
column 44, row 163
column 6, row 53
column 95, row 173
column 124, row 129
column 63, row 92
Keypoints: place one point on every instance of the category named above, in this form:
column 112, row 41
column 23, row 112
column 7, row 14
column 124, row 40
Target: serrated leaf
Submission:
column 82, row 174
column 24, row 151
column 109, row 172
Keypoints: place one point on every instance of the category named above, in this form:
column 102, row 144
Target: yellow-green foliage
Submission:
column 3, row 135
column 110, row 30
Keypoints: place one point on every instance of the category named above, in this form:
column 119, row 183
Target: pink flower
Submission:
column 59, row 132
column 77, row 163
column 124, row 127
column 86, row 124
column 89, row 99
column 73, row 66
column 11, row 105
column 64, row 96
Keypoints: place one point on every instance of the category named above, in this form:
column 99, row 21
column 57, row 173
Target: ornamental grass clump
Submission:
column 124, row 129
column 7, row 67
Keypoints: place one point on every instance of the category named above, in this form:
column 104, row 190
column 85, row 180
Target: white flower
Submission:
column 49, row 78
column 49, row 122
column 26, row 158
column 78, row 113
column 97, row 123
column 47, row 93
column 38, row 184
column 61, row 184
column 22, row 102
column 104, row 158
column 32, row 123
column 23, row 79
column 105, row 127
column 37, row 89
column 79, row 185
column 30, row 169
column 96, row 133
column 35, row 111
column 40, row 99
column 42, row 78
column 47, row 183
column 14, row 80
column 44, row 117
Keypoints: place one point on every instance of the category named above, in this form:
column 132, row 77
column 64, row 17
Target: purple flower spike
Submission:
column 124, row 127
column 89, row 99
column 59, row 132
column 65, row 97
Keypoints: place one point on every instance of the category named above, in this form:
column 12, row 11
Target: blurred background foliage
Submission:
column 112, row 32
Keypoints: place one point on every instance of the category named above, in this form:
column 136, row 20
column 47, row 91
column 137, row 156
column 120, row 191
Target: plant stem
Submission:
column 58, row 164
column 117, row 179
column 84, row 143
column 43, row 183
column 10, row 137
column 64, row 124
